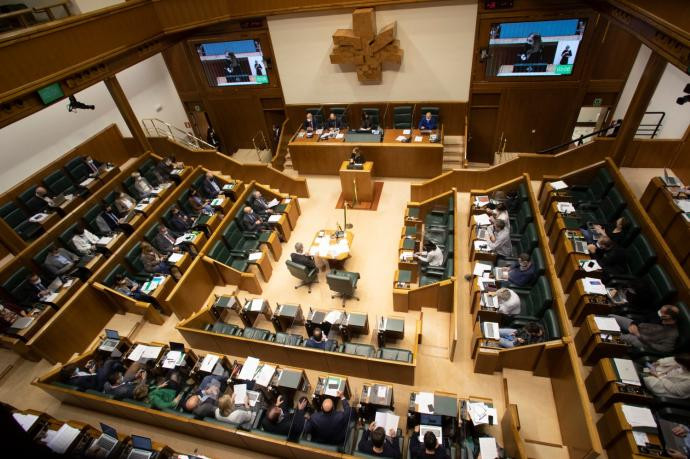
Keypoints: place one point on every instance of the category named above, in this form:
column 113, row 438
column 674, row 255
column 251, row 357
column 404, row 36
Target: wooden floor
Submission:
column 374, row 257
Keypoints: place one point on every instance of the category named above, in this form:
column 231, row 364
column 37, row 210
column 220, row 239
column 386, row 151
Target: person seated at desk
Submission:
column 42, row 194
column 681, row 431
column 209, row 186
column 432, row 255
column 309, row 261
column 227, row 411
column 165, row 167
column 669, row 376
column 329, row 425
column 309, row 123
column 93, row 165
column 508, row 301
column 9, row 312
column 120, row 387
column 204, row 400
column 93, row 375
column 84, row 241
column 522, row 273
column 124, row 203
column 164, row 241
column 128, row 287
column 356, row 157
column 36, row 289
column 499, row 239
column 251, row 221
column 198, row 205
column 179, row 221
column 609, row 256
column 374, row 442
column 428, row 123
column 107, row 221
column 166, row 394
column 278, row 420
column 155, row 263
column 531, row 333
column 658, row 334
column 430, row 448
column 638, row 298
column 333, row 123
column 616, row 231
column 367, row 123
column 60, row 262
column 316, row 340
column 500, row 212
column 259, row 204
column 141, row 185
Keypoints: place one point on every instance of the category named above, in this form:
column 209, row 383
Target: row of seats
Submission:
column 402, row 115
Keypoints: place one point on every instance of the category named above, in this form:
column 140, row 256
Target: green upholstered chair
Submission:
column 391, row 353
column 595, row 190
column 344, row 283
column 363, row 350
column 402, row 117
column 307, row 275
column 31, row 202
column 535, row 301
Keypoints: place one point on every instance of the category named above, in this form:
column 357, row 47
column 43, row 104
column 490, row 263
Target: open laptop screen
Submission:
column 141, row 443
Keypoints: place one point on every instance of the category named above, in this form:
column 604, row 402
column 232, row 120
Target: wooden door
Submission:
column 535, row 119
column 482, row 141
column 236, row 121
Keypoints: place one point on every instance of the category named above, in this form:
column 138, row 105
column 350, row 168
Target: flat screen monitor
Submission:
column 538, row 48
column 233, row 63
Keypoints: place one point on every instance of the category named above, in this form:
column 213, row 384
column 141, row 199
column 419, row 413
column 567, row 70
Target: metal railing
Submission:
column 159, row 128
column 262, row 147
column 579, row 140
column 650, row 129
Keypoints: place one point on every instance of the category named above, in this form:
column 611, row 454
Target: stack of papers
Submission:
column 480, row 413
column 607, row 324
column 332, row 386
column 424, row 402
column 481, row 219
column 389, row 421
column 418, row 138
column 143, row 351
column 175, row 257
column 565, row 207
column 627, row 372
column 209, row 362
column 173, row 359
column 638, row 416
column 333, row 317
column 481, row 201
column 641, row 438
column 487, row 448
column 240, row 394
column 151, row 285
column 481, row 245
column 490, row 330
column 559, row 185
column 105, row 240
column 480, row 268
column 593, row 286
column 25, row 420
column 406, row 256
column 263, row 378
column 249, row 369
column 63, row 439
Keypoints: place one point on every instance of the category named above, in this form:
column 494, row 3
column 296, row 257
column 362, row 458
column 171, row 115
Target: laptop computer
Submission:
column 59, row 199
column 669, row 180
column 482, row 233
column 176, row 346
column 437, row 431
column 489, row 301
column 112, row 339
column 580, row 246
column 108, row 439
column 141, row 448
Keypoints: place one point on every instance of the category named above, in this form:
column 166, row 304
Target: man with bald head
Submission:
column 251, row 221
column 329, row 425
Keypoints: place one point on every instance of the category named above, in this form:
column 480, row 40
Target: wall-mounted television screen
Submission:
column 539, row 48
column 233, row 63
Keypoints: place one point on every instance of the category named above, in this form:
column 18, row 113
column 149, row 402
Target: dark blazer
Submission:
column 329, row 428
column 390, row 448
column 418, row 451
column 333, row 124
column 260, row 206
column 292, row 424
column 179, row 224
column 249, row 222
column 430, row 125
column 208, row 190
column 310, row 124
column 111, row 219
column 613, row 260
column 163, row 244
column 302, row 259
column 357, row 159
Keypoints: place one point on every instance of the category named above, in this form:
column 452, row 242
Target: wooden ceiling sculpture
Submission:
column 364, row 48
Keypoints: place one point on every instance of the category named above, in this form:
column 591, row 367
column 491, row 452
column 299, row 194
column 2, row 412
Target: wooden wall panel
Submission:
column 197, row 282
column 651, row 153
column 681, row 163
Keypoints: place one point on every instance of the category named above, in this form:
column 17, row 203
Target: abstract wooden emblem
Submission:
column 364, row 48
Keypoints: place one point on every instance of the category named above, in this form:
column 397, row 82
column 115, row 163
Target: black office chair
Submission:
column 374, row 116
column 343, row 283
column 307, row 275
column 402, row 117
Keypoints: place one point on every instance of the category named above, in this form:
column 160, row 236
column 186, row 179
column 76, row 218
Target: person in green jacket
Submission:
column 166, row 394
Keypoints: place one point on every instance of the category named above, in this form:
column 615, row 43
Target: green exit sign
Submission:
column 51, row 93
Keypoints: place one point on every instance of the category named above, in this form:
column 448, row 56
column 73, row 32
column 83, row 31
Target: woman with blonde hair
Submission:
column 228, row 411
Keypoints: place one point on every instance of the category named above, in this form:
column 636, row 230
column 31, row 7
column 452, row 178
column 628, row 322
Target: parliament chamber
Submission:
column 406, row 229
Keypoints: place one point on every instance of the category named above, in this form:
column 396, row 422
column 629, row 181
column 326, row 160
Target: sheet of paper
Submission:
column 171, row 359
column 400, row 138
column 638, row 416
column 387, row 420
column 249, row 369
column 87, row 182
column 39, row 217
column 136, row 353
column 418, row 138
column 254, row 256
column 627, row 372
column 607, row 324
column 423, row 400
column 333, row 316
column 332, row 386
column 265, row 374
column 480, row 268
column 487, row 448
column 151, row 352
column 25, row 420
column 175, row 257
column 381, row 391
column 209, row 362
column 406, row 255
column 590, row 265
column 253, row 397
column 684, row 204
column 217, row 202
column 240, row 394
column 274, row 218
column 565, row 207
column 228, row 186
column 407, row 131
column 49, row 298
column 274, row 202
column 594, row 286
column 105, row 240
column 641, row 438
column 559, row 185
column 340, row 136
column 184, row 238
column 256, row 304
column 481, row 219
column 481, row 245
column 490, row 330
column 63, row 438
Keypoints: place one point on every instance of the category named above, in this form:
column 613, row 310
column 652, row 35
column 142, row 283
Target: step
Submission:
column 454, row 139
column 453, row 148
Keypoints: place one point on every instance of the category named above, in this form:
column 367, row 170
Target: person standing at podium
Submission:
column 357, row 157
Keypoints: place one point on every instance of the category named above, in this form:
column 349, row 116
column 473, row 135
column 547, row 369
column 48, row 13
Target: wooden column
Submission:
column 127, row 113
column 638, row 105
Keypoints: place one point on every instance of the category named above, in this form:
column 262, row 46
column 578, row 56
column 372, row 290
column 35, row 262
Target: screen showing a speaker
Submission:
column 539, row 48
column 233, row 63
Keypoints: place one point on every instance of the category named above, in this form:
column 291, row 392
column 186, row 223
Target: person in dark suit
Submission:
column 428, row 123
column 258, row 68
column 367, row 122
column 164, row 241
column 316, row 340
column 611, row 257
column 329, row 425
column 108, row 221
column 259, row 204
column 374, row 442
column 566, row 55
column 209, row 186
column 36, row 288
column 333, row 122
column 430, row 448
column 309, row 123
column 278, row 420
column 357, row 157
column 179, row 222
column 251, row 221
column 299, row 257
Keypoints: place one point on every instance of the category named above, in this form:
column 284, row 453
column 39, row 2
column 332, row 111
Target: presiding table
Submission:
column 415, row 159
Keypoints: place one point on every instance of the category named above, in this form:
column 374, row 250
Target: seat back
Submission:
column 364, row 350
column 79, row 171
column 340, row 283
column 601, row 184
column 90, row 218
column 29, row 199
column 66, row 236
column 528, row 240
column 373, row 114
column 633, row 228
column 538, row 261
column 16, row 283
column 613, row 204
column 41, row 255
column 128, row 185
column 640, row 255
column 551, row 326
column 109, row 279
column 683, row 344
column 402, row 117
column 662, row 288
column 12, row 214
column 540, row 297
column 339, row 113
column 133, row 257
column 150, row 233
column 524, row 216
column 57, row 182
column 434, row 113
column 220, row 252
column 300, row 271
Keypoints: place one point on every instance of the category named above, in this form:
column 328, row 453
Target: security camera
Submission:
column 75, row 105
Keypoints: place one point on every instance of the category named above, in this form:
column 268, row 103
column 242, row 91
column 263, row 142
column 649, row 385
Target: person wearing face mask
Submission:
column 522, row 273
column 659, row 334
column 278, row 420
column 609, row 256
column 617, row 231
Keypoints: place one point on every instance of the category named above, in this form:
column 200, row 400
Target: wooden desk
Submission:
column 591, row 346
column 393, row 159
column 357, row 183
column 659, row 203
column 605, row 387
column 550, row 195
column 281, row 224
column 263, row 264
column 65, row 293
column 617, row 436
column 580, row 304
column 40, row 319
column 331, row 256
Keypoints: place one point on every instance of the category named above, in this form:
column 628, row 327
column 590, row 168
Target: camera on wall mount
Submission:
column 75, row 105
column 686, row 98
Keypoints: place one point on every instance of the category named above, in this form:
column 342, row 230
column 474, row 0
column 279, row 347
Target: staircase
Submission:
column 453, row 152
column 287, row 165
column 159, row 128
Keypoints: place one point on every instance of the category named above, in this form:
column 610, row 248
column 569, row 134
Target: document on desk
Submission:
column 481, row 413
column 481, row 268
column 487, row 448
column 638, row 416
column 607, row 324
column 87, row 182
column 424, row 402
column 254, row 256
column 641, row 438
column 105, row 240
column 240, row 394
column 683, row 204
column 187, row 237
column 418, row 138
column 589, row 265
column 256, row 305
column 406, row 256
column 49, row 298
column 249, row 369
column 333, row 317
column 331, row 386
column 274, row 202
column 481, row 219
column 559, row 185
column 381, row 391
column 407, row 131
column 217, row 202
column 490, row 330
column 565, row 207
column 175, row 257
column 626, row 371
column 274, row 218
column 481, row 245
column 209, row 362
column 228, row 186
column 387, row 420
column 39, row 217
column 172, row 359
column 593, row 286
column 63, row 438
column 481, row 201
column 25, row 420
column 151, row 352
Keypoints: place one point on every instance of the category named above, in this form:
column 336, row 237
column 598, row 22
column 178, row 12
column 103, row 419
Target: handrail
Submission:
column 643, row 129
column 279, row 158
column 615, row 124
column 155, row 127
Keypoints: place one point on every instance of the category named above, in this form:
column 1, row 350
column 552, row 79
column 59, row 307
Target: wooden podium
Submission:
column 357, row 182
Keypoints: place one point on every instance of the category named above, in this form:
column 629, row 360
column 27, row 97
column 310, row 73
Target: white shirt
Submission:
column 434, row 258
column 511, row 306
column 237, row 416
column 502, row 243
column 84, row 243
